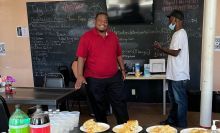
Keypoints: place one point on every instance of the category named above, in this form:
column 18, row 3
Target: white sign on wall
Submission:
column 22, row 32
column 2, row 48
column 217, row 43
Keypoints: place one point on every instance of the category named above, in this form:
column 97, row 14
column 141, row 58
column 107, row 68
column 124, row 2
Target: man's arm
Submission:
column 121, row 65
column 74, row 68
column 80, row 78
column 166, row 50
column 80, row 66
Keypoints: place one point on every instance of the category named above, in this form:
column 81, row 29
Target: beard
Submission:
column 101, row 29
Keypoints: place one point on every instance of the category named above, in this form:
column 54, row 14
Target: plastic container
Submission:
column 146, row 70
column 19, row 121
column 213, row 127
column 137, row 70
column 40, row 122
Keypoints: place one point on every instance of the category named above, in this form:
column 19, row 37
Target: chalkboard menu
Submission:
column 55, row 29
column 137, row 40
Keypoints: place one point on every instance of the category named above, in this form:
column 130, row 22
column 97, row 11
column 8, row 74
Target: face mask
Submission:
column 172, row 26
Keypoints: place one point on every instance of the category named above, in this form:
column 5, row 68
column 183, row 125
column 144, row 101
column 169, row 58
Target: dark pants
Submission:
column 178, row 98
column 84, row 91
column 101, row 92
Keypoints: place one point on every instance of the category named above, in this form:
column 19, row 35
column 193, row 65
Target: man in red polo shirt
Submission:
column 99, row 55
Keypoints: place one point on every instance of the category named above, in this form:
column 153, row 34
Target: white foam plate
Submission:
column 115, row 129
column 188, row 130
column 104, row 125
column 152, row 127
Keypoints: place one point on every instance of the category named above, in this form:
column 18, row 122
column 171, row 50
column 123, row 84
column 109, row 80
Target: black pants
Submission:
column 100, row 91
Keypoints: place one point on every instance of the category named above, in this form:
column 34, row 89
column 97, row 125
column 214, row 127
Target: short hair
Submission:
column 177, row 14
column 101, row 13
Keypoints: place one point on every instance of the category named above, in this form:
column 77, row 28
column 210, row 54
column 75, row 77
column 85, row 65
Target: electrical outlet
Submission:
column 133, row 92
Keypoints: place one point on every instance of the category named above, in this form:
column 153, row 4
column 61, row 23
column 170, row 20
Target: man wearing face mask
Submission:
column 177, row 72
column 99, row 55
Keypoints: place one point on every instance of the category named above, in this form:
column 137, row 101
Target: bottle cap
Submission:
column 46, row 112
column 38, row 106
column 17, row 106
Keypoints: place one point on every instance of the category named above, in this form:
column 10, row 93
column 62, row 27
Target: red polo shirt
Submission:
column 100, row 53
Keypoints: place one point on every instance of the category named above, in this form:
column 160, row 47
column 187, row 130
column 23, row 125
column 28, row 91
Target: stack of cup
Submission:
column 64, row 121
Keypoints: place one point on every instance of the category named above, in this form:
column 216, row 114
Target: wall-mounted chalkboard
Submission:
column 137, row 40
column 55, row 29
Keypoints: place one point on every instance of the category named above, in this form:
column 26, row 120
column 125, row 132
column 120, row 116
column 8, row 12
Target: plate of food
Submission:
column 161, row 129
column 194, row 130
column 92, row 126
column 131, row 126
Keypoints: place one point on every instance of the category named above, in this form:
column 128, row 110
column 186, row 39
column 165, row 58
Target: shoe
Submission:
column 91, row 114
column 166, row 122
column 108, row 113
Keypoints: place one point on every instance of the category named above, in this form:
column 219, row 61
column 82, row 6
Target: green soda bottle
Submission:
column 19, row 122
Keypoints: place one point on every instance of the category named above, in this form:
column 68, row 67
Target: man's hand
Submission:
column 79, row 82
column 157, row 45
column 123, row 74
